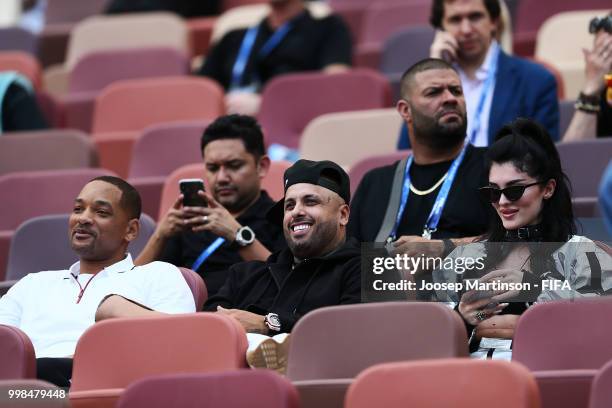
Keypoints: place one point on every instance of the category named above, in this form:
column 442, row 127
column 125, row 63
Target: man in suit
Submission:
column 498, row 88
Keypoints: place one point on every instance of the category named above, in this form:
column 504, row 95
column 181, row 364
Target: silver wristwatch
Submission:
column 245, row 236
column 272, row 321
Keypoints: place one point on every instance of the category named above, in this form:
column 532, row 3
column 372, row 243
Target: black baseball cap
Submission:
column 323, row 173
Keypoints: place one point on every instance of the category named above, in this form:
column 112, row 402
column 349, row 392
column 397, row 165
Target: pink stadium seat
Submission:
column 317, row 94
column 362, row 167
column 159, row 151
column 37, row 193
column 24, row 63
column 46, row 150
column 257, row 389
column 458, row 383
column 531, row 14
column 564, row 388
column 68, row 11
column 125, row 108
column 601, row 397
column 114, row 353
column 16, row 354
column 197, row 286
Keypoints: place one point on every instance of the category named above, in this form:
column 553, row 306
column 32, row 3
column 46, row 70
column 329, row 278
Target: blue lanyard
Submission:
column 488, row 86
column 247, row 45
column 436, row 211
column 207, row 252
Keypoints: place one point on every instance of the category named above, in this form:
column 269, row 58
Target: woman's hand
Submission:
column 476, row 311
column 500, row 327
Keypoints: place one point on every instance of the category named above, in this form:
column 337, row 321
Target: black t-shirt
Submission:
column 186, row 8
column 20, row 111
column 311, row 44
column 184, row 249
column 464, row 214
column 604, row 119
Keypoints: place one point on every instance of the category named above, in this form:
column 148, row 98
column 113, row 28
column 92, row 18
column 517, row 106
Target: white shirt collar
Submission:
column 124, row 265
column 483, row 70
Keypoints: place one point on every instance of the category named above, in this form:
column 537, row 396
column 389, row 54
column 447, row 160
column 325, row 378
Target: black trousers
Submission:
column 57, row 371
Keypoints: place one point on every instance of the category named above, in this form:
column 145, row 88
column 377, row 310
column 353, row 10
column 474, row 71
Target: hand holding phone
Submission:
column 189, row 188
column 444, row 46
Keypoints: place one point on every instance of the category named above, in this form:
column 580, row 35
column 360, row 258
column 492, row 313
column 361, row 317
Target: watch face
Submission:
column 246, row 234
column 274, row 320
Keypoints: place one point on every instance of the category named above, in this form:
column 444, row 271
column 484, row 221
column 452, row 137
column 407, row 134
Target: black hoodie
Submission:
column 275, row 286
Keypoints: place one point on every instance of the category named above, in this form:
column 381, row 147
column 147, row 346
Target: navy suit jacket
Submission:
column 522, row 89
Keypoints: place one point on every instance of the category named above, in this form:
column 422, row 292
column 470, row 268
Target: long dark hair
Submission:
column 528, row 146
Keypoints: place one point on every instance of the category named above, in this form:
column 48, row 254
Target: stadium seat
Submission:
column 24, row 63
column 585, row 178
column 38, row 394
column 566, row 113
column 348, row 137
column 318, row 93
column 114, row 353
column 564, row 388
column 126, row 31
column 96, row 70
column 459, row 383
column 356, row 337
column 359, row 169
column 601, row 397
column 17, row 355
column 381, row 20
column 197, row 286
column 159, row 150
column 569, row 324
column 68, row 11
column 560, row 41
column 272, row 183
column 531, row 14
column 18, row 39
column 46, row 150
column 256, row 389
column 125, row 108
column 47, row 236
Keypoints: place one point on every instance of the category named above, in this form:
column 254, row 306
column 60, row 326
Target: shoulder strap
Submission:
column 394, row 202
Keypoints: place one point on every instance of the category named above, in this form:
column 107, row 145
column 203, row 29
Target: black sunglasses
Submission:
column 512, row 193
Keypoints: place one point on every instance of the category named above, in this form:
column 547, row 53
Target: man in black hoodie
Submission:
column 320, row 267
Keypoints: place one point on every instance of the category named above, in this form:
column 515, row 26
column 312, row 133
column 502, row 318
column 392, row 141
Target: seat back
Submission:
column 363, row 166
column 17, row 355
column 140, row 347
column 47, row 237
column 69, row 11
column 18, row 39
column 136, row 30
column 35, row 193
column 383, row 18
column 570, row 324
column 348, row 137
column 24, row 63
column 132, row 105
column 163, row 148
column 585, row 179
column 97, row 69
column 358, row 336
column 319, row 93
column 46, row 150
column 459, row 383
column 566, row 113
column 272, row 183
column 601, row 397
column 258, row 389
column 197, row 286
column 405, row 48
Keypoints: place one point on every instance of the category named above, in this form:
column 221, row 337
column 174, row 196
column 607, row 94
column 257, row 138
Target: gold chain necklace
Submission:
column 433, row 188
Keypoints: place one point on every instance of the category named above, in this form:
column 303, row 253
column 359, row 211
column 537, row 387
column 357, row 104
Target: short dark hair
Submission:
column 130, row 198
column 423, row 65
column 437, row 11
column 240, row 127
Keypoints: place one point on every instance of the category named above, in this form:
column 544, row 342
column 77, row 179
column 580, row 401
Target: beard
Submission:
column 435, row 135
column 315, row 244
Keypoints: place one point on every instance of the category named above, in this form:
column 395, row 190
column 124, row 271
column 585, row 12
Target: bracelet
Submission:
column 586, row 107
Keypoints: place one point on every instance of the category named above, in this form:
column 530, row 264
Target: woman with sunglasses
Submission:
column 531, row 239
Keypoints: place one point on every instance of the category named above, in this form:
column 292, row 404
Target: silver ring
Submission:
column 480, row 315
column 205, row 219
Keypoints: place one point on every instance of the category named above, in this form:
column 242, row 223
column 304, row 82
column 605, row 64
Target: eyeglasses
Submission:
column 512, row 193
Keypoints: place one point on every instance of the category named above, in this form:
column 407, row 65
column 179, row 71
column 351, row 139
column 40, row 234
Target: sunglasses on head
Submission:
column 512, row 193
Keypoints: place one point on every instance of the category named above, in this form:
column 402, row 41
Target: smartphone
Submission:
column 189, row 188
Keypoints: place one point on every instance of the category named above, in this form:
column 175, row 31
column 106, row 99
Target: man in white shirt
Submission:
column 54, row 308
column 498, row 87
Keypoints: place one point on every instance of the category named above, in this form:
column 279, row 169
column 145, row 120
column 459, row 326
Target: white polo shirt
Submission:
column 44, row 304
